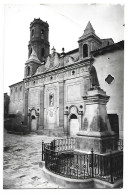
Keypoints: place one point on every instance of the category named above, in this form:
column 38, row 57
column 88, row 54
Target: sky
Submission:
column 66, row 24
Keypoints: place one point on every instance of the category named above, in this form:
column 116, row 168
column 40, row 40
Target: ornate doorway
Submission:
column 74, row 125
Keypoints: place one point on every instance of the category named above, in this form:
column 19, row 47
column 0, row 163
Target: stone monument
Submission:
column 96, row 132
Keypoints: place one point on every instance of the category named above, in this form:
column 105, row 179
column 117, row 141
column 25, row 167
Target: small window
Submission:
column 42, row 34
column 33, row 33
column 73, row 72
column 109, row 79
column 42, row 31
column 81, row 106
column 42, row 52
column 30, row 51
column 85, row 50
column 28, row 71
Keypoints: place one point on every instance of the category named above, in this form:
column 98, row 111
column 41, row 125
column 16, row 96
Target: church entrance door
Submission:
column 74, row 125
column 33, row 123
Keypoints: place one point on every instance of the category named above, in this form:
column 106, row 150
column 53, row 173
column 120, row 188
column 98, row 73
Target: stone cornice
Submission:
column 97, row 134
column 96, row 99
column 21, row 82
column 91, row 35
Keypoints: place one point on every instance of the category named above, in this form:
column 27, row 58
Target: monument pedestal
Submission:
column 96, row 133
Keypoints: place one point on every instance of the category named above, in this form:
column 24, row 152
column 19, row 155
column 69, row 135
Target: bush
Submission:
column 15, row 124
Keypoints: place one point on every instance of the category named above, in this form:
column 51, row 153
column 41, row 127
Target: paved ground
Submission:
column 22, row 155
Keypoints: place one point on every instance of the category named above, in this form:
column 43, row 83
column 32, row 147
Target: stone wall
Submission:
column 16, row 98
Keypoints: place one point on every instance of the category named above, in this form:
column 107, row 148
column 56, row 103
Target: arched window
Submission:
column 42, row 34
column 32, row 32
column 42, row 52
column 85, row 50
column 30, row 51
column 28, row 71
column 33, row 117
column 73, row 116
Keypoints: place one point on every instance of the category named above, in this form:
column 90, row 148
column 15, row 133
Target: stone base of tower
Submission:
column 100, row 145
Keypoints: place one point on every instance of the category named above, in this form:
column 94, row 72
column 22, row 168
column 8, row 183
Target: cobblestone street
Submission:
column 22, row 155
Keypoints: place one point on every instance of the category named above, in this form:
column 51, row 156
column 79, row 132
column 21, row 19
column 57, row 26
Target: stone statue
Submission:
column 51, row 100
column 94, row 78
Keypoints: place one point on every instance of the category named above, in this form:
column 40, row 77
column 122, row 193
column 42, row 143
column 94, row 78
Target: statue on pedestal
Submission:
column 94, row 79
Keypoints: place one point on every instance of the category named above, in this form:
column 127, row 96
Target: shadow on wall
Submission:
column 15, row 124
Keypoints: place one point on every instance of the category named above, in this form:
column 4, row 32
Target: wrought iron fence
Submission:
column 61, row 159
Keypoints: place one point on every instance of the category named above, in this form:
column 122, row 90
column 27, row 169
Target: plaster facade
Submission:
column 54, row 85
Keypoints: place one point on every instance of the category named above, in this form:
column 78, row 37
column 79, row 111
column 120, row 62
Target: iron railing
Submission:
column 60, row 159
column 59, row 145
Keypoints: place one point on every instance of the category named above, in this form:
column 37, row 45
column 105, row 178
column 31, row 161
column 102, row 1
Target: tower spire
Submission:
column 89, row 29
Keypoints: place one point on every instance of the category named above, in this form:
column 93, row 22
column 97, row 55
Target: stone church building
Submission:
column 51, row 95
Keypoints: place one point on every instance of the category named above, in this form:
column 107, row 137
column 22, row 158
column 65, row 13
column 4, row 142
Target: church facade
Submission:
column 51, row 95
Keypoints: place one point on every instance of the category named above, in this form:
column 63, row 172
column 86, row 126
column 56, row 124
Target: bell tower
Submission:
column 88, row 42
column 39, row 31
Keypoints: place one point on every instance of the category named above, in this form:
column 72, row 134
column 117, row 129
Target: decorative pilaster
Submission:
column 37, row 123
column 61, row 104
column 67, row 133
column 26, row 107
column 41, row 124
column 29, row 121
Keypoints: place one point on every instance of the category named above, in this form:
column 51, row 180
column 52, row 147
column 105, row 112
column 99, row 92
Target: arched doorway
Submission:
column 74, row 125
column 33, row 123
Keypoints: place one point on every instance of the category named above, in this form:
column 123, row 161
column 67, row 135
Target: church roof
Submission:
column 109, row 48
column 33, row 57
column 89, row 29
